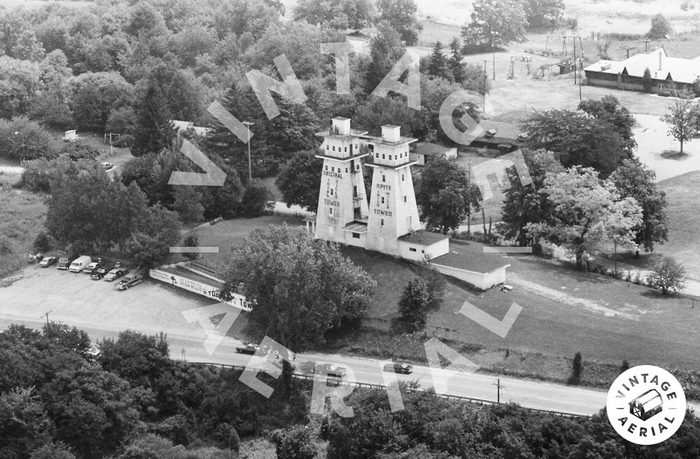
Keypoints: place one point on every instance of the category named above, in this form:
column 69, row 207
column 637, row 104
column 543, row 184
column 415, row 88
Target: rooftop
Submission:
column 422, row 237
column 384, row 141
column 331, row 132
column 187, row 274
column 659, row 64
column 508, row 131
column 470, row 256
column 429, row 148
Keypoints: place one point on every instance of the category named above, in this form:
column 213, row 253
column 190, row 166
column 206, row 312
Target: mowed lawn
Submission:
column 564, row 311
column 23, row 216
column 683, row 197
column 229, row 234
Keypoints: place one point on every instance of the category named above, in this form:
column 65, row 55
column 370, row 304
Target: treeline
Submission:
column 132, row 401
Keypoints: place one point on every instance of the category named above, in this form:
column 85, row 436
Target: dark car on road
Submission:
column 403, row 368
column 115, row 273
column 248, row 348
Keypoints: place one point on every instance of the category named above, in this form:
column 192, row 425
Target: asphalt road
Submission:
column 532, row 394
column 152, row 307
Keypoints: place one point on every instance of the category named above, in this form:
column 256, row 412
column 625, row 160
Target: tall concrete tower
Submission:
column 342, row 204
column 392, row 208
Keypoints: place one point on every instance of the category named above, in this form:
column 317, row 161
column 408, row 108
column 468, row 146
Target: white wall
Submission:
column 483, row 281
column 431, row 251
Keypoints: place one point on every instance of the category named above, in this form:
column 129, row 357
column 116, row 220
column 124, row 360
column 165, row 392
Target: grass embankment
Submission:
column 23, row 215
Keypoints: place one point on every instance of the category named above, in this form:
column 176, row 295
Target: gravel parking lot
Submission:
column 75, row 299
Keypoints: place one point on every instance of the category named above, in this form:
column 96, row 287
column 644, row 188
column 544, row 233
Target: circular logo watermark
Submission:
column 646, row 405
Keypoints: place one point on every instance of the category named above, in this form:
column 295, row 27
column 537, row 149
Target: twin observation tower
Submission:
column 389, row 223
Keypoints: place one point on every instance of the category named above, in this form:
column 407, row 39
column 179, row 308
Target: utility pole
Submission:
column 575, row 70
column 47, row 317
column 499, row 386
column 494, row 66
column 483, row 89
column 250, row 167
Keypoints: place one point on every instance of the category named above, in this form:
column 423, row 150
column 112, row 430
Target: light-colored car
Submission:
column 129, row 281
column 115, row 273
column 47, row 261
column 107, row 166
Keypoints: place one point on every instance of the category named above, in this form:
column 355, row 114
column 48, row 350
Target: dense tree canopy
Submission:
column 402, row 16
column 284, row 263
column 586, row 210
column 529, row 203
column 495, row 23
column 300, row 179
column 342, row 15
column 444, row 194
column 578, row 139
column 633, row 179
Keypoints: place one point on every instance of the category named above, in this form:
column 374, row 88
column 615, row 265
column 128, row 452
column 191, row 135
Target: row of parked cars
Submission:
column 96, row 269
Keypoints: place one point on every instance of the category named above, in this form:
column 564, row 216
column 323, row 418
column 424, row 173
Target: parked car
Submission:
column 115, row 273
column 92, row 267
column 99, row 273
column 80, row 263
column 35, row 257
column 248, row 348
column 107, row 166
column 47, row 261
column 403, row 368
column 129, row 281
column 64, row 262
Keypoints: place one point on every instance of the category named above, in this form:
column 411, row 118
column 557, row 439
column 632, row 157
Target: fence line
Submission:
column 472, row 400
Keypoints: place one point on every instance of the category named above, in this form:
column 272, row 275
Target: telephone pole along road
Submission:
column 527, row 393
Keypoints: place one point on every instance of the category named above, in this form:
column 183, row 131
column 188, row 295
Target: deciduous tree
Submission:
column 529, row 203
column 581, row 206
column 496, row 23
column 635, row 180
column 300, row 180
column 22, row 139
column 668, row 275
column 300, row 287
column 577, row 138
column 682, row 121
column 609, row 110
column 402, row 16
column 444, row 193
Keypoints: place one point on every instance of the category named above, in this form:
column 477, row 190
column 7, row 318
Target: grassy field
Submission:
column 684, row 221
column 23, row 215
column 231, row 233
column 564, row 311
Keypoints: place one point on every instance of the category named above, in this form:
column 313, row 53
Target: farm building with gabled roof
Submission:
column 629, row 74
